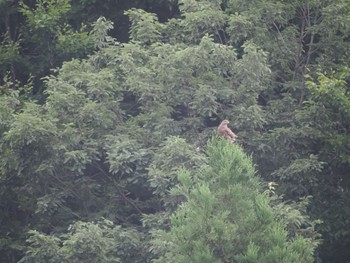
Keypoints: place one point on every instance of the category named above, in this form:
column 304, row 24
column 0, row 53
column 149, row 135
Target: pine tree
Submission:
column 227, row 217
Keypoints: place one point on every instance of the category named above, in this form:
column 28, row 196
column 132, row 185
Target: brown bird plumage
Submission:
column 225, row 131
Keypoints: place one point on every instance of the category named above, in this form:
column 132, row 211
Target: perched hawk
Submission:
column 225, row 131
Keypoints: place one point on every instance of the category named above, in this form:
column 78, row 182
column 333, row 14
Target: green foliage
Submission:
column 201, row 18
column 309, row 153
column 226, row 217
column 39, row 37
column 100, row 32
column 46, row 16
column 332, row 91
column 9, row 103
column 144, row 26
column 199, row 81
column 70, row 43
column 120, row 134
column 9, row 53
column 174, row 155
column 329, row 91
column 87, row 242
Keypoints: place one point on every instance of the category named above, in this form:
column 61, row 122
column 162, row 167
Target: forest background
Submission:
column 108, row 111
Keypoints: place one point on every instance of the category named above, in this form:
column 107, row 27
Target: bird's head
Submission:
column 225, row 122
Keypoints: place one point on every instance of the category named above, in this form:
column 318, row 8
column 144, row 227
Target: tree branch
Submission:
column 120, row 189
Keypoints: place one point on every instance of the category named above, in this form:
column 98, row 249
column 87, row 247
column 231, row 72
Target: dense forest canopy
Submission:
column 108, row 116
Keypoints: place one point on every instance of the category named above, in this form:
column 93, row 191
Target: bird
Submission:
column 226, row 132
